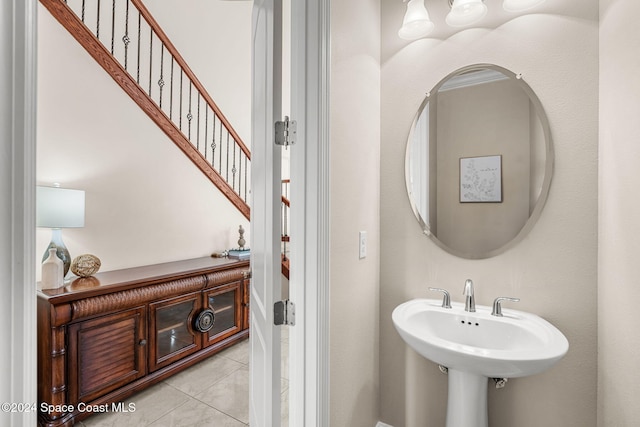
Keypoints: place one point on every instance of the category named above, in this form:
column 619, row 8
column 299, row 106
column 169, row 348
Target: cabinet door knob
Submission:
column 143, row 342
column 204, row 321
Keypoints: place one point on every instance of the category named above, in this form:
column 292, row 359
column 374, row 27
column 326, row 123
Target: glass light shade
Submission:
column 416, row 22
column 59, row 207
column 466, row 12
column 520, row 5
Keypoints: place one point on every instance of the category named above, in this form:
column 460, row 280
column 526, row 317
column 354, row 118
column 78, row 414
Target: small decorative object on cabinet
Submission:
column 129, row 329
column 239, row 253
column 241, row 240
column 85, row 265
column 52, row 271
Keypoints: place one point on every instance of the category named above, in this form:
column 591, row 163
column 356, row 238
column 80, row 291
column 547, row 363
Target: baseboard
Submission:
column 381, row 424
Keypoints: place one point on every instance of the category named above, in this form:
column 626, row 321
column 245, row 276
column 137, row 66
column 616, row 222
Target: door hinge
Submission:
column 286, row 132
column 284, row 313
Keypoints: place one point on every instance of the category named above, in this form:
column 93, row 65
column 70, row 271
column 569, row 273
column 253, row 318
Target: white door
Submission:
column 264, row 400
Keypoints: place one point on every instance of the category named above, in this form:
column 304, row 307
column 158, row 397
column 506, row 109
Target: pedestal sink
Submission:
column 476, row 346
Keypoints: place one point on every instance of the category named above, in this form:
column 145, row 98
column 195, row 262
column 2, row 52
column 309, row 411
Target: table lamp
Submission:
column 59, row 208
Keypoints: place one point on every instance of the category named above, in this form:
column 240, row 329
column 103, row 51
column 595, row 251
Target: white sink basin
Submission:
column 514, row 345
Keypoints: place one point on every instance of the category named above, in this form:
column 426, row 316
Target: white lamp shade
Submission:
column 466, row 12
column 59, row 207
column 520, row 5
column 416, row 22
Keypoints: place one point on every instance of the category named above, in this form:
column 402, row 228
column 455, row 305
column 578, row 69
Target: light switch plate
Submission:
column 363, row 244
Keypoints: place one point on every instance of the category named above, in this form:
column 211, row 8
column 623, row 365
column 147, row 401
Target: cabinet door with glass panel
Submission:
column 172, row 335
column 225, row 302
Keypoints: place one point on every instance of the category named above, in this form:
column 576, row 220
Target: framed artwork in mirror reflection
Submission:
column 481, row 179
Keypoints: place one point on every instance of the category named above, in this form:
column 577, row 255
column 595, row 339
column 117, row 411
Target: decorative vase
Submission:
column 61, row 250
column 52, row 271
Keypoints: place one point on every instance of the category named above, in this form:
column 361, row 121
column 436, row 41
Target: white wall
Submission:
column 355, row 187
column 619, row 227
column 145, row 201
column 553, row 270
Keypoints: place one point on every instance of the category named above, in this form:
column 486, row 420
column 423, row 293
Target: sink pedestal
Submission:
column 467, row 400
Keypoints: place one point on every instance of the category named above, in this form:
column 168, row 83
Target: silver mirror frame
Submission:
column 548, row 168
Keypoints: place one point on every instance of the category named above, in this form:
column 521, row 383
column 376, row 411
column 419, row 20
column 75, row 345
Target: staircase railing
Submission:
column 128, row 43
column 286, row 207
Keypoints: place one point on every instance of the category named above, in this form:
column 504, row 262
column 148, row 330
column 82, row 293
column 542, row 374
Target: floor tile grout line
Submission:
column 207, row 388
column 169, row 412
column 220, row 410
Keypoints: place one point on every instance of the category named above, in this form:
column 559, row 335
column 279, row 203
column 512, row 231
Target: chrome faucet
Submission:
column 470, row 300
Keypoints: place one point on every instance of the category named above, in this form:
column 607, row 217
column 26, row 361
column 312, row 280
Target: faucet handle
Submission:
column 446, row 298
column 497, row 307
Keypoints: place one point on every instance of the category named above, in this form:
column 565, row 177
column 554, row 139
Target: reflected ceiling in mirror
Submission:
column 479, row 161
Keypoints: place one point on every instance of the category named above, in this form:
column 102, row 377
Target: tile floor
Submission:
column 214, row 392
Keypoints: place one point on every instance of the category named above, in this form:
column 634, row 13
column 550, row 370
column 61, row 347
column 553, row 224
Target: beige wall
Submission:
column 619, row 214
column 553, row 270
column 145, row 202
column 355, row 186
column 469, row 125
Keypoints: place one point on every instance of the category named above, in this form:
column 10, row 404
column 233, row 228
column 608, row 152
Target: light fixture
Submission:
column 416, row 22
column 59, row 208
column 465, row 12
column 519, row 5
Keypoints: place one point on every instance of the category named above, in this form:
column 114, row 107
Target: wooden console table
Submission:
column 106, row 337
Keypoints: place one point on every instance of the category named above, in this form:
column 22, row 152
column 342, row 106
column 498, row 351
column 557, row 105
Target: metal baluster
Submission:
column 189, row 115
column 240, row 173
column 83, row 4
column 206, row 129
column 234, row 169
column 220, row 141
column 171, row 90
column 150, row 58
column 98, row 22
column 246, row 168
column 213, row 142
column 227, row 165
column 180, row 124
column 198, row 125
column 126, row 39
column 138, row 64
column 113, row 24
column 161, row 81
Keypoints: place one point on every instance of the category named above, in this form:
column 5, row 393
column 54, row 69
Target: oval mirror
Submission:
column 479, row 161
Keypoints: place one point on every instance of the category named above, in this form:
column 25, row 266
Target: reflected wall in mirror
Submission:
column 485, row 112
